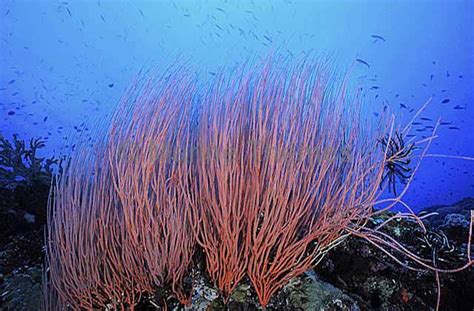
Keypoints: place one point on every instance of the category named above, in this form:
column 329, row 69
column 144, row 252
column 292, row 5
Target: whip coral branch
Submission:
column 222, row 184
column 145, row 160
column 119, row 225
column 282, row 168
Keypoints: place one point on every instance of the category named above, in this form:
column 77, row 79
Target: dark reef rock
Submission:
column 462, row 207
column 453, row 219
column 24, row 188
column 22, row 208
column 25, row 179
column 307, row 292
column 24, row 249
column 20, row 271
column 377, row 282
column 22, row 290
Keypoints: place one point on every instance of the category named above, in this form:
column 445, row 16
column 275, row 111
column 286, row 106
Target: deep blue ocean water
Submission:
column 65, row 64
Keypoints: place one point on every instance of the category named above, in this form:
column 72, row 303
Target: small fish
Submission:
column 10, row 113
column 376, row 114
column 11, row 82
column 45, row 118
column 445, row 101
column 460, row 76
column 426, row 119
column 417, row 123
column 220, row 9
column 212, row 73
column 141, row 13
column 69, row 12
column 444, row 123
column 377, row 37
column 403, row 106
column 363, row 62
column 459, row 107
column 374, row 87
column 454, row 128
column 111, row 85
column 431, row 77
column 447, row 74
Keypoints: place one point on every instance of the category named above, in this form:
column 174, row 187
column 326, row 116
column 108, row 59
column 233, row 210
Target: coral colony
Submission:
column 264, row 170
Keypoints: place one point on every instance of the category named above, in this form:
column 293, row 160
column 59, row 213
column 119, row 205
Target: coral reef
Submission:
column 271, row 174
column 230, row 196
column 378, row 283
column 264, row 171
column 24, row 182
column 355, row 276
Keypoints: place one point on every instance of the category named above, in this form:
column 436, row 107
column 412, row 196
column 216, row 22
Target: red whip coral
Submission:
column 119, row 223
column 266, row 170
column 283, row 167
